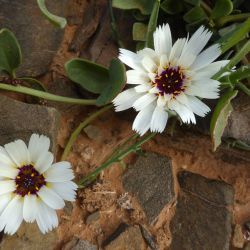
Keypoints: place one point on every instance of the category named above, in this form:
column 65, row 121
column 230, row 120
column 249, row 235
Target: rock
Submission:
column 19, row 120
column 238, row 237
column 29, row 237
column 94, row 133
column 38, row 38
column 150, row 180
column 94, row 217
column 149, row 238
column 77, row 244
column 129, row 239
column 202, row 219
column 238, row 126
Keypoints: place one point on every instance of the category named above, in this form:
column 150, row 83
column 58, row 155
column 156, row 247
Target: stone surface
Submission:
column 77, row 244
column 38, row 38
column 19, row 120
column 238, row 126
column 29, row 237
column 130, row 239
column 202, row 219
column 238, row 237
column 150, row 180
column 94, row 133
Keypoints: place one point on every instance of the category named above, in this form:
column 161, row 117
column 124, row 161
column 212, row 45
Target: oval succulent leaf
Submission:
column 90, row 76
column 195, row 14
column 172, row 6
column 117, row 80
column 56, row 20
column 10, row 52
column 220, row 116
column 222, row 8
column 139, row 31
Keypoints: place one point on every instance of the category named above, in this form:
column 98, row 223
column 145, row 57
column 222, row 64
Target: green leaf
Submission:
column 221, row 8
column 33, row 83
column 139, row 31
column 220, row 116
column 193, row 2
column 117, row 79
column 152, row 25
column 90, row 76
column 172, row 6
column 10, row 52
column 194, row 15
column 145, row 6
column 56, row 20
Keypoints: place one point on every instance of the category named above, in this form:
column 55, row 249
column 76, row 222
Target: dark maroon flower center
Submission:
column 28, row 180
column 170, row 81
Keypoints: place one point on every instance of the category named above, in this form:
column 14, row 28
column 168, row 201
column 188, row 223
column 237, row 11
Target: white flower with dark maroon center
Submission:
column 31, row 186
column 170, row 78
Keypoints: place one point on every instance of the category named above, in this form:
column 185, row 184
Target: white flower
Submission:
column 170, row 78
column 31, row 186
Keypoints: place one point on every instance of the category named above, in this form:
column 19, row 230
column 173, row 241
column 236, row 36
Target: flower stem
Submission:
column 46, row 96
column 116, row 158
column 243, row 88
column 232, row 18
column 81, row 126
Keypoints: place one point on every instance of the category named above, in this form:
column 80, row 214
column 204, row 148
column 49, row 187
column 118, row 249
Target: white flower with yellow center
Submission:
column 31, row 186
column 170, row 78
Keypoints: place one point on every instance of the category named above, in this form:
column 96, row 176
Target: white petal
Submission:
column 8, row 171
column 209, row 70
column 206, row 57
column 67, row 190
column 30, row 208
column 126, row 99
column 177, row 50
column 159, row 120
column 194, row 46
column 59, row 172
column 142, row 121
column 44, row 161
column 163, row 62
column 197, row 106
column 161, row 101
column 143, row 88
column 150, row 53
column 136, row 77
column 4, row 201
column 131, row 59
column 5, row 158
column 154, row 90
column 7, row 186
column 52, row 199
column 152, row 76
column 18, row 152
column 149, row 64
column 186, row 115
column 12, row 216
column 163, row 40
column 37, row 145
column 46, row 218
column 144, row 101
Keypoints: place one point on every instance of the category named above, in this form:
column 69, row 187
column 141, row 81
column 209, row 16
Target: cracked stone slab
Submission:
column 203, row 218
column 39, row 39
column 150, row 180
column 19, row 120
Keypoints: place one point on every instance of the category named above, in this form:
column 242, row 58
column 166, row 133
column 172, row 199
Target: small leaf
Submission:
column 145, row 6
column 222, row 8
column 172, row 6
column 193, row 2
column 194, row 15
column 220, row 116
column 90, row 76
column 33, row 83
column 10, row 52
column 152, row 24
column 117, row 79
column 56, row 20
column 139, row 31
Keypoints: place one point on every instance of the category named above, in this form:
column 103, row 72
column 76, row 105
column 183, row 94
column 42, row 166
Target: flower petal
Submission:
column 7, row 186
column 59, row 172
column 177, row 50
column 5, row 158
column 136, row 77
column 18, row 152
column 197, row 106
column 149, row 64
column 44, row 161
column 142, row 121
column 143, row 88
column 66, row 190
column 51, row 198
column 159, row 120
column 4, row 201
column 8, row 171
column 144, row 101
column 131, row 59
column 30, row 206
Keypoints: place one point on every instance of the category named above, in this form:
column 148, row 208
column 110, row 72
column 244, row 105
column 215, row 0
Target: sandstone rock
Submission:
column 77, row 244
column 202, row 219
column 94, row 133
column 38, row 38
column 19, row 120
column 130, row 239
column 150, row 180
column 238, row 237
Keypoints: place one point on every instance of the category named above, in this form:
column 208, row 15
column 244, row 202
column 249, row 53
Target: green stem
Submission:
column 242, row 73
column 81, row 126
column 45, row 95
column 206, row 8
column 117, row 158
column 232, row 18
column 243, row 88
column 237, row 58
